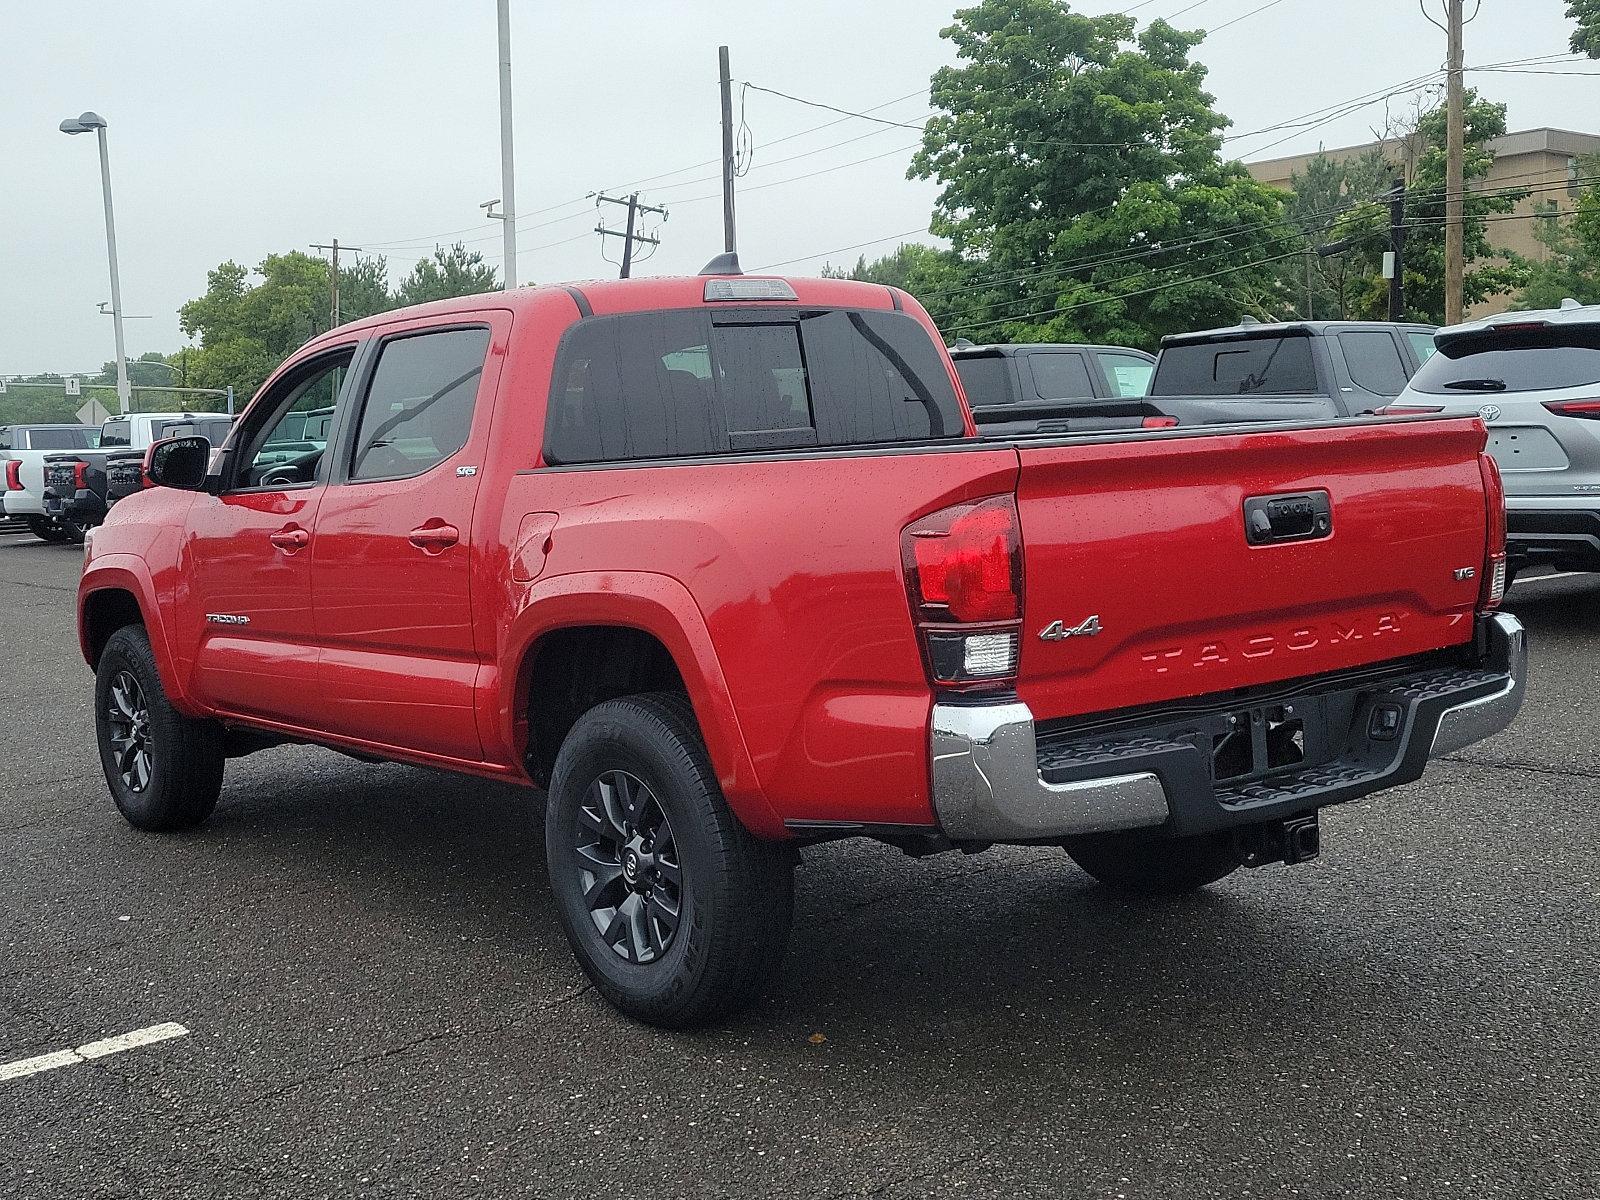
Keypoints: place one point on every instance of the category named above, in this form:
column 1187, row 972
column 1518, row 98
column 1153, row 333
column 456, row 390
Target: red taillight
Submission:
column 1493, row 589
column 963, row 568
column 1159, row 422
column 1588, row 409
column 13, row 476
column 964, row 563
column 80, row 475
column 1407, row 410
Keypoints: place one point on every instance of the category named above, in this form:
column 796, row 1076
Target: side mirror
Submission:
column 178, row 462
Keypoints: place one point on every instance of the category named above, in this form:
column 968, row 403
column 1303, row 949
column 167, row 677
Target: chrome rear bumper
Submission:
column 988, row 786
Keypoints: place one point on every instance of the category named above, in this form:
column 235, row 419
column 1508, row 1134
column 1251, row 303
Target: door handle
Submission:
column 435, row 539
column 290, row 539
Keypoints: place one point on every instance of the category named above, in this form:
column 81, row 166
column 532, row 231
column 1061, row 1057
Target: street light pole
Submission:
column 508, row 186
column 83, row 124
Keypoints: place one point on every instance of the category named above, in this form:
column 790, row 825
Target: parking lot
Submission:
column 379, row 1000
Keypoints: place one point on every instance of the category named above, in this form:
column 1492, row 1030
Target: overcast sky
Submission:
column 239, row 130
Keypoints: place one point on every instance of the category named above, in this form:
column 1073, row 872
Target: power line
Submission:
column 1060, row 310
column 842, row 249
column 1243, row 17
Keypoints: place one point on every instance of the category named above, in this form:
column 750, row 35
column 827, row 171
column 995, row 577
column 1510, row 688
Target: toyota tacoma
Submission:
column 719, row 563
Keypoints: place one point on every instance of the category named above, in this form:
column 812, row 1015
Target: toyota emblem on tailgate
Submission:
column 1490, row 412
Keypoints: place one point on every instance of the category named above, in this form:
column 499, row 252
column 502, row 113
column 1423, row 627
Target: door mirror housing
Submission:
column 178, row 462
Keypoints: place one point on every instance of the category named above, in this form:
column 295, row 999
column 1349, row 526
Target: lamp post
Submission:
column 83, row 123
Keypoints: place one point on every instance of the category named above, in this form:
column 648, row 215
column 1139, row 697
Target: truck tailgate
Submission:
column 1142, row 585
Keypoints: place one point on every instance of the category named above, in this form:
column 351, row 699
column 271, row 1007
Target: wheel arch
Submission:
column 650, row 635
column 115, row 591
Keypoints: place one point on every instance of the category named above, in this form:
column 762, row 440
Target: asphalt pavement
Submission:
column 379, row 1002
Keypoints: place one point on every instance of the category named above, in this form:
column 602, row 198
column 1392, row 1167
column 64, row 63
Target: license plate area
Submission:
column 1254, row 743
column 1526, row 448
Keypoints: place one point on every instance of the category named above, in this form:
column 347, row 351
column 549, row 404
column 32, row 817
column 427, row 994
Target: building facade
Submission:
column 1549, row 162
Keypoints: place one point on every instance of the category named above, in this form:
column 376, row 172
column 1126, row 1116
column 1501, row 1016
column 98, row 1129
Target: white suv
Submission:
column 1534, row 378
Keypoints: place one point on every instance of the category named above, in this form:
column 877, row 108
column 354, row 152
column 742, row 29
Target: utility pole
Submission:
column 333, row 276
column 730, row 243
column 630, row 237
column 1397, row 245
column 1454, row 181
column 508, row 185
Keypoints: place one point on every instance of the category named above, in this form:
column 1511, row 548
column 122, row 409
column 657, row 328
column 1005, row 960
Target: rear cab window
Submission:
column 1127, row 376
column 1373, row 360
column 697, row 382
column 1060, row 375
column 114, row 434
column 54, row 439
column 1528, row 359
column 1258, row 366
column 986, row 379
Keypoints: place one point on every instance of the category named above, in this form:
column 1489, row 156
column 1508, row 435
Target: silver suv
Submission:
column 1534, row 378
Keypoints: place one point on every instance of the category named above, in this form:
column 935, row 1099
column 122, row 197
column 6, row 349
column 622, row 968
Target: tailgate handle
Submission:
column 1295, row 517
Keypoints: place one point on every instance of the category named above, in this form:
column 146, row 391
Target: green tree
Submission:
column 1572, row 266
column 1489, row 272
column 1319, row 198
column 1586, row 38
column 364, row 288
column 1083, row 187
column 247, row 328
column 453, row 272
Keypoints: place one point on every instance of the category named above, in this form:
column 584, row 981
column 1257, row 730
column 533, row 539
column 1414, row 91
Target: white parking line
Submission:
column 111, row 1045
column 1555, row 575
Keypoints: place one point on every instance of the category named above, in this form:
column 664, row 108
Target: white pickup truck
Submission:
column 22, row 453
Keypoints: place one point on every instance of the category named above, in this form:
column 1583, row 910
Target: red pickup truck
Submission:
column 720, row 564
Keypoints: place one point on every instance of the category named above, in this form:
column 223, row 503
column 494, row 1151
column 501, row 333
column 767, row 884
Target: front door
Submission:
column 394, row 549
column 247, row 612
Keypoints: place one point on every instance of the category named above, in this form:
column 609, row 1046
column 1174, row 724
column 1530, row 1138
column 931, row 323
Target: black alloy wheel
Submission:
column 128, row 729
column 629, row 867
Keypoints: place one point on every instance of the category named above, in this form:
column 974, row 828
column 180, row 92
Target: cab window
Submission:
column 419, row 405
column 284, row 447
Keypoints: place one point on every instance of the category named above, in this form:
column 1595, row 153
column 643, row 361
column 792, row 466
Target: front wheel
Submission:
column 1155, row 866
column 675, row 911
column 163, row 768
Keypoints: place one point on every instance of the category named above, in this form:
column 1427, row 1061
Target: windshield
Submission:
column 1264, row 366
column 1513, row 360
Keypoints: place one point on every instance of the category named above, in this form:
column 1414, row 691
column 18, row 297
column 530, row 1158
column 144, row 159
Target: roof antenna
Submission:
column 1569, row 304
column 726, row 263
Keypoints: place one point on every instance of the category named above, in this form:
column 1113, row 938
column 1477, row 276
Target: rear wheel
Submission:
column 675, row 911
column 1155, row 866
column 48, row 530
column 164, row 769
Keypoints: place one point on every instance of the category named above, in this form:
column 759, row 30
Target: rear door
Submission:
column 1142, row 545
column 392, row 561
column 1537, row 387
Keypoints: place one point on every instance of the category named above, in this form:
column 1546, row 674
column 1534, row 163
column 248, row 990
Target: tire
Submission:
column 1155, row 866
column 164, row 769
column 633, row 777
column 47, row 530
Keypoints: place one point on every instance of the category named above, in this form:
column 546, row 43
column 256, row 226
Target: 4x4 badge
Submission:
column 1058, row 631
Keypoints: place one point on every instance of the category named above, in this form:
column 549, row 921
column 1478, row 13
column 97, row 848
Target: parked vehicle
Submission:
column 720, row 563
column 1534, row 378
column 1297, row 371
column 23, row 449
column 1045, row 388
column 80, row 488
